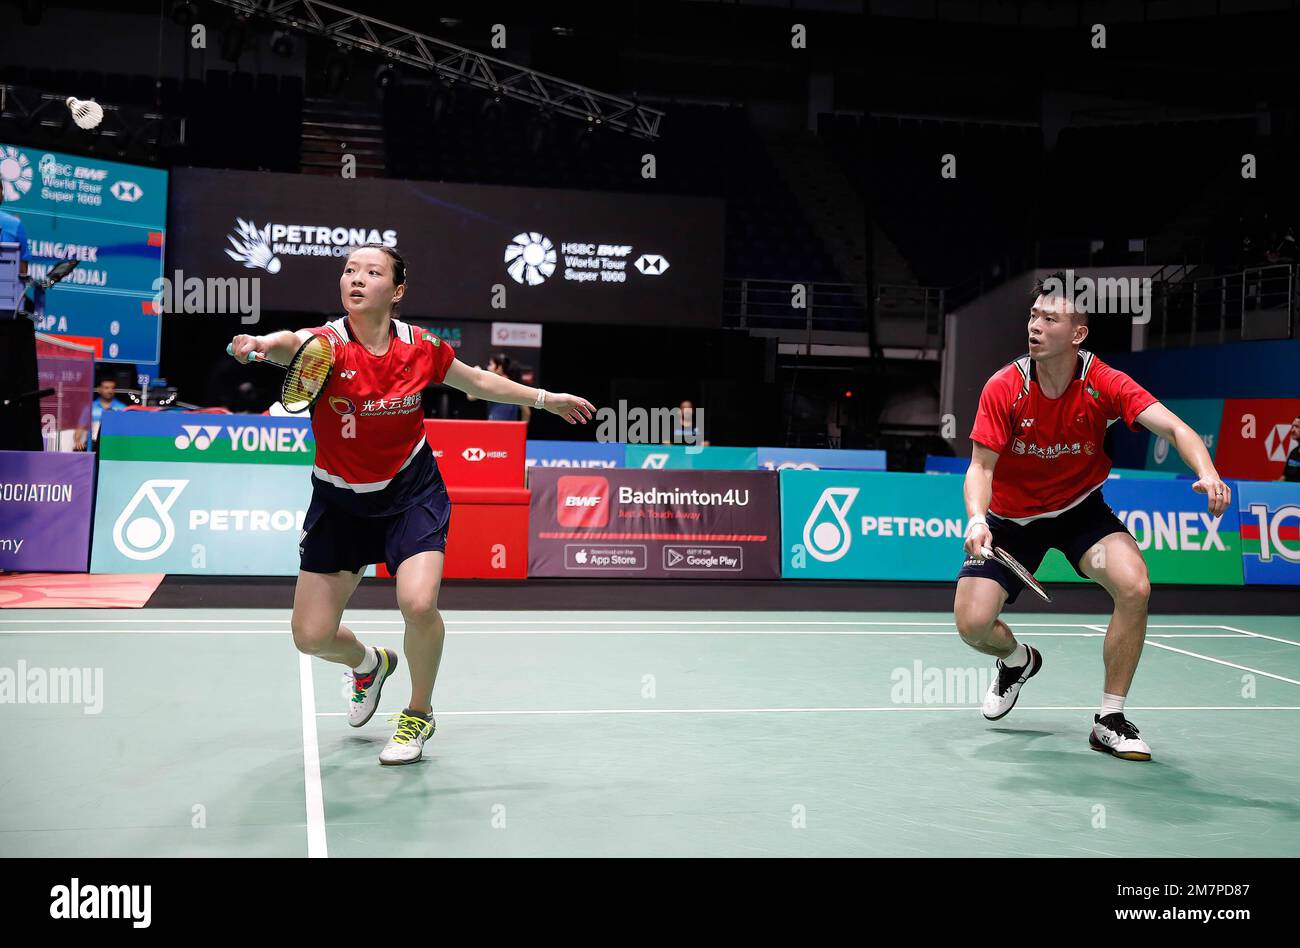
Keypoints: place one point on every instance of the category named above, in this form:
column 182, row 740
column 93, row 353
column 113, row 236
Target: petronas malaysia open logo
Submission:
column 826, row 533
column 251, row 247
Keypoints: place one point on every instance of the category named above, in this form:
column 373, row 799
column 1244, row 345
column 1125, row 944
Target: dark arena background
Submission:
column 780, row 249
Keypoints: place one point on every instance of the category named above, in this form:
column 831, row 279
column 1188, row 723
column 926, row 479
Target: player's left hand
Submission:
column 572, row 408
column 1220, row 494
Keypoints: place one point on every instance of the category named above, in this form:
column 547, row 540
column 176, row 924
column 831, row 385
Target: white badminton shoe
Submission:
column 1115, row 735
column 1004, row 690
column 406, row 746
column 364, row 700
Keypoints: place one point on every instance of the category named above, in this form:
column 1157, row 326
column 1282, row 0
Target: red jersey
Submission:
column 369, row 423
column 1051, row 453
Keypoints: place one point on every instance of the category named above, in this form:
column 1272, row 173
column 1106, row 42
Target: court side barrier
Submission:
column 896, row 526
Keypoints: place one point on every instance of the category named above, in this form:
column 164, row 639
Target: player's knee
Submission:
column 421, row 608
column 973, row 627
column 1135, row 591
column 310, row 638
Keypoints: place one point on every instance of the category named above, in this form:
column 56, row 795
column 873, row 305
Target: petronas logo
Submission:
column 826, row 532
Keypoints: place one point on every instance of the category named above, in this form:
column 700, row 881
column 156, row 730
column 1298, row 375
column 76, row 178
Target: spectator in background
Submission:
column 12, row 231
column 1284, row 250
column 501, row 364
column 686, row 430
column 105, row 400
column 1291, row 466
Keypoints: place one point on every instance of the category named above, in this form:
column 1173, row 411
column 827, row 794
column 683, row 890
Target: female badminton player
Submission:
column 1034, row 483
column 376, row 490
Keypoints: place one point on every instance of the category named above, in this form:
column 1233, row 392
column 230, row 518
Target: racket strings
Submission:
column 308, row 374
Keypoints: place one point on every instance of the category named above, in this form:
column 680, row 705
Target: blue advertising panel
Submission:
column 1270, row 531
column 111, row 218
column 819, row 459
column 575, row 454
column 45, row 502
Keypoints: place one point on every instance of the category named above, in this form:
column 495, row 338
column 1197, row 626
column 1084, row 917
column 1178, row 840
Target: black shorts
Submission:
column 1073, row 533
column 335, row 540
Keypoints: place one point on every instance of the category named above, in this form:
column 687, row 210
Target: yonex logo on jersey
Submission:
column 1026, row 423
column 582, row 501
column 347, row 373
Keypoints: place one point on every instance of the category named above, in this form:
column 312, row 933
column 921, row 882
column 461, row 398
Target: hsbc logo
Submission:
column 651, row 264
column 127, row 191
column 1278, row 444
column 478, row 454
column 582, row 501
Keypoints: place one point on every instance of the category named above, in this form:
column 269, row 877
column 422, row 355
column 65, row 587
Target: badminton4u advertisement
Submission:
column 665, row 524
column 45, row 500
column 476, row 251
column 109, row 217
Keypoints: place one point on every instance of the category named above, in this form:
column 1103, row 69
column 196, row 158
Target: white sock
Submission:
column 1111, row 703
column 369, row 663
column 1017, row 659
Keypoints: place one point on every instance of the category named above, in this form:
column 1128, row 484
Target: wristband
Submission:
column 977, row 519
column 541, row 399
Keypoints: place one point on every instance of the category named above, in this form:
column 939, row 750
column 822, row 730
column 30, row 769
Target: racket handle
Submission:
column 252, row 356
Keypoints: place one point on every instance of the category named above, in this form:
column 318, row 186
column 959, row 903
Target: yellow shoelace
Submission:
column 409, row 727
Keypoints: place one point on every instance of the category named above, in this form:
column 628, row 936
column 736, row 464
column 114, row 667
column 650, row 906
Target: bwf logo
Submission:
column 582, row 501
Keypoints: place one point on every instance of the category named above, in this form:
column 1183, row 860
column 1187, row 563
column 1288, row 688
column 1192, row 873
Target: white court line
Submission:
column 1219, row 661
column 357, row 627
column 316, row 848
column 1261, row 635
column 964, row 708
column 675, row 622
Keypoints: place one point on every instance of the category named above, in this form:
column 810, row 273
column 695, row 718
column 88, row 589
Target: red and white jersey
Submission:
column 369, row 423
column 1051, row 452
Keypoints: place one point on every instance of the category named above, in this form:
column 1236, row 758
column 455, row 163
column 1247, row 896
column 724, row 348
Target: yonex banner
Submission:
column 194, row 518
column 1270, row 532
column 45, row 501
column 575, row 454
column 1203, row 415
column 1255, row 437
column 658, row 524
column 678, row 457
column 819, row 459
column 867, row 525
column 203, row 438
column 1179, row 540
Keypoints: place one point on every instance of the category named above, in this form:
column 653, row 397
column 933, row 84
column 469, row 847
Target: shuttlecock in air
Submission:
column 87, row 113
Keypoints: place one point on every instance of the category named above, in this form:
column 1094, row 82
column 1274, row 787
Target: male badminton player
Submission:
column 376, row 490
column 1034, row 483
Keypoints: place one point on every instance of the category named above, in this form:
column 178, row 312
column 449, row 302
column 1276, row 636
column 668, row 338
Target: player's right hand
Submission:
column 241, row 346
column 979, row 540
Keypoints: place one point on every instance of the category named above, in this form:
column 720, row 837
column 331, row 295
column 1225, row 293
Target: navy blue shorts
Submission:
column 1073, row 533
column 335, row 540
